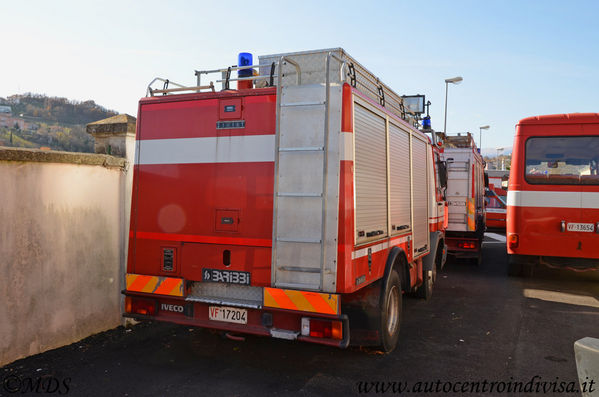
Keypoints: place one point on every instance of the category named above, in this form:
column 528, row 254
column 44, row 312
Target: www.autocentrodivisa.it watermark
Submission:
column 536, row 385
column 46, row 384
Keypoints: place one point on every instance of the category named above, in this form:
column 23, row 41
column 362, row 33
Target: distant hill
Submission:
column 58, row 123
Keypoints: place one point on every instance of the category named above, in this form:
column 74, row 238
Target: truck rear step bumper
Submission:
column 278, row 323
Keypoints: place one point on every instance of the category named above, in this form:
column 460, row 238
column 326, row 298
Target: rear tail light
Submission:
column 512, row 240
column 145, row 307
column 468, row 245
column 318, row 328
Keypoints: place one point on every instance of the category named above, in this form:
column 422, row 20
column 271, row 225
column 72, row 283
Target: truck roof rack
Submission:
column 309, row 67
column 458, row 141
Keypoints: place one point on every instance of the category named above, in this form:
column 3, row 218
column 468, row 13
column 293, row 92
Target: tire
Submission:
column 391, row 311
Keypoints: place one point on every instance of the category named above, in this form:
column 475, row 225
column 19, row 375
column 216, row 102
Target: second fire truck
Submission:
column 465, row 197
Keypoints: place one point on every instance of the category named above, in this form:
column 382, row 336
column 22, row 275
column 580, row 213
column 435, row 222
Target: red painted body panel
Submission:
column 176, row 205
column 195, row 115
column 375, row 271
column 538, row 228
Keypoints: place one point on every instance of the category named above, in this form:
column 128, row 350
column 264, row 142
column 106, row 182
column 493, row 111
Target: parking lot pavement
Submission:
column 480, row 326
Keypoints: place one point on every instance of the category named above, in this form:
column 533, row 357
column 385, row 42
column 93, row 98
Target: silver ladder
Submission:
column 300, row 185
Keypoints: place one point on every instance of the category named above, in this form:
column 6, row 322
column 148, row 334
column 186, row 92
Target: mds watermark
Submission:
column 46, row 384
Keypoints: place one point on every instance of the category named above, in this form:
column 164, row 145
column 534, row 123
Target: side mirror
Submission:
column 486, row 180
column 442, row 170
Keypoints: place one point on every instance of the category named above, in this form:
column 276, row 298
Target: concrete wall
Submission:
column 63, row 222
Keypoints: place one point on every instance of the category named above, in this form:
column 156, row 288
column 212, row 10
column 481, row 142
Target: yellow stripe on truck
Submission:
column 305, row 301
column 155, row 285
column 471, row 212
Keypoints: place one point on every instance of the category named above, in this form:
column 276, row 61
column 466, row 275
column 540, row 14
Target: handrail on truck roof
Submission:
column 226, row 74
column 165, row 90
column 351, row 72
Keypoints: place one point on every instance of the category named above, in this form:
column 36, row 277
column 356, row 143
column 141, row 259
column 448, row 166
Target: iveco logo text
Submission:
column 171, row 308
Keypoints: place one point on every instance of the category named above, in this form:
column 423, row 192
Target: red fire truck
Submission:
column 465, row 197
column 301, row 205
column 553, row 195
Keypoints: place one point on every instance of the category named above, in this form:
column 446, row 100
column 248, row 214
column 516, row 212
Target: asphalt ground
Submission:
column 480, row 326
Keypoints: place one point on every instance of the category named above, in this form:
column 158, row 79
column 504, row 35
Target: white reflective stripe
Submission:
column 379, row 247
column 590, row 200
column 526, row 198
column 496, row 210
column 223, row 149
column 346, row 149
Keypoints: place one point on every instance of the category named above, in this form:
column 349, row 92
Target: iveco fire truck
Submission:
column 465, row 196
column 301, row 205
column 553, row 196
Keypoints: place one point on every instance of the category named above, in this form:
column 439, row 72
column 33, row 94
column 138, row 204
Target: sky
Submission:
column 517, row 58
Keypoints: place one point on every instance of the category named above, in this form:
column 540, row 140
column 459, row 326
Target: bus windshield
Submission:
column 562, row 160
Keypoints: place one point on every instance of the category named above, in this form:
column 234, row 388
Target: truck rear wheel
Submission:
column 391, row 309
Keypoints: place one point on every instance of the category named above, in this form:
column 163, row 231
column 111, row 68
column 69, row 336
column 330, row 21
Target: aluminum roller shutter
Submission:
column 399, row 163
column 371, row 175
column 420, row 186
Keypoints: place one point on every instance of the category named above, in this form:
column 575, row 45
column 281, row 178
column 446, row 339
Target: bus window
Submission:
column 562, row 160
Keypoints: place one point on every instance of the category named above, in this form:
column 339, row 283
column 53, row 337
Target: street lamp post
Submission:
column 453, row 80
column 480, row 135
column 499, row 150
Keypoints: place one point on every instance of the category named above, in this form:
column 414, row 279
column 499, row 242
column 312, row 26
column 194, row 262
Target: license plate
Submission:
column 581, row 227
column 228, row 314
column 226, row 276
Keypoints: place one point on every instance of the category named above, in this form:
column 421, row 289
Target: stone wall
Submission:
column 63, row 223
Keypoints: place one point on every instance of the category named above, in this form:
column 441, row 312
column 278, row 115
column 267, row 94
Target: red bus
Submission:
column 553, row 194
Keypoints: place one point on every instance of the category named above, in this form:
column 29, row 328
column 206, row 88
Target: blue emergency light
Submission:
column 426, row 123
column 244, row 59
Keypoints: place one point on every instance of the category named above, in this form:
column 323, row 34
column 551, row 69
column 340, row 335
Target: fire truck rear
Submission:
column 301, row 205
column 553, row 196
column 465, row 197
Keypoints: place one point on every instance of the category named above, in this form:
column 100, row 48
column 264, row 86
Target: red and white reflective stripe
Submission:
column 436, row 219
column 530, row 198
column 379, row 247
column 222, row 149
